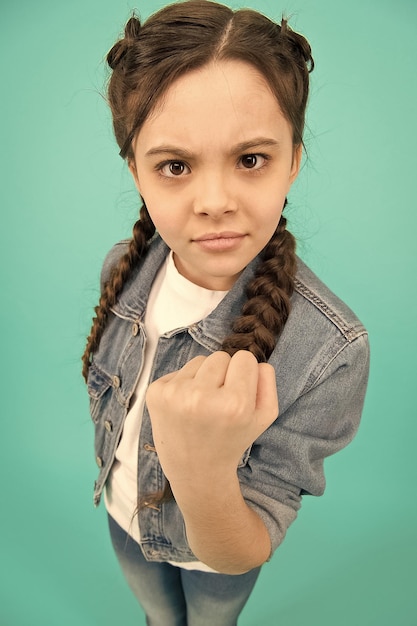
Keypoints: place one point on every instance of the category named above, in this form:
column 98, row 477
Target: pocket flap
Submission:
column 98, row 382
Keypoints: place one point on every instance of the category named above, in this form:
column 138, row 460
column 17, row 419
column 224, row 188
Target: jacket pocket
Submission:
column 98, row 383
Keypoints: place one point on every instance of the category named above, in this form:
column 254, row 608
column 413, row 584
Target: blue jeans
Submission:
column 172, row 596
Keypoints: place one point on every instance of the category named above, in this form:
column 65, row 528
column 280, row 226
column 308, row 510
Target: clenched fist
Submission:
column 207, row 414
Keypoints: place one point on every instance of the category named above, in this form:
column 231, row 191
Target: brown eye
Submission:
column 253, row 162
column 176, row 168
column 249, row 161
column 173, row 169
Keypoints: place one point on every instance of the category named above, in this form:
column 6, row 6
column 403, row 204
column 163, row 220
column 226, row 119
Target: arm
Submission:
column 222, row 530
column 204, row 417
column 319, row 415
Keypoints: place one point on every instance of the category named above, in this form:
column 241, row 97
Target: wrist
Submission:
column 216, row 485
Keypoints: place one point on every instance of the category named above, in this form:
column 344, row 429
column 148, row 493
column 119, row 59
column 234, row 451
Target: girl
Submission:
column 206, row 316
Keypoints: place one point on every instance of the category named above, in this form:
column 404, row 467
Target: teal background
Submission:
column 66, row 197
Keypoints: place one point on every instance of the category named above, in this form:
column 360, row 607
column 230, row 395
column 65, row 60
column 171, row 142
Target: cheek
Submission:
column 166, row 206
column 159, row 218
column 271, row 208
column 167, row 220
column 156, row 205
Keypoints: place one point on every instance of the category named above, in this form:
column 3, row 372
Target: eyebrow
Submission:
column 167, row 149
column 243, row 146
column 254, row 143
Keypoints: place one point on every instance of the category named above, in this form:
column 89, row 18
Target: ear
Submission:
column 132, row 168
column 296, row 162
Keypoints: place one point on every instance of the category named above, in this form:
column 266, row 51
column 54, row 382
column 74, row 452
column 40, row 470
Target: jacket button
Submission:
column 116, row 382
column 99, row 461
column 135, row 329
column 108, row 426
column 149, row 448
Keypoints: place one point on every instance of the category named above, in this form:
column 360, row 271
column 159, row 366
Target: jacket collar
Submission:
column 211, row 330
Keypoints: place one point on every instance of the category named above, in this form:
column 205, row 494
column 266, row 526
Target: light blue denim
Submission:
column 321, row 362
column 172, row 596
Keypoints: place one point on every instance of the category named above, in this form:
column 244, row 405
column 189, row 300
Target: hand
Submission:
column 207, row 414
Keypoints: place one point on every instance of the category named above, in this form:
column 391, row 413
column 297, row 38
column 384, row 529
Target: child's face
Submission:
column 214, row 164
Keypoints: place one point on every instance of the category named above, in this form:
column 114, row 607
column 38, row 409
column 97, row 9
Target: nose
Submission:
column 213, row 196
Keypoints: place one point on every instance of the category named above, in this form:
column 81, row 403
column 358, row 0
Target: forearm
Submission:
column 222, row 531
column 204, row 416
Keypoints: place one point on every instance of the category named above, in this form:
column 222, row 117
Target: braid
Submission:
column 268, row 305
column 143, row 231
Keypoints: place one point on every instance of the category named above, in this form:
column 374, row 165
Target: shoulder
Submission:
column 322, row 336
column 312, row 295
column 112, row 258
column 156, row 248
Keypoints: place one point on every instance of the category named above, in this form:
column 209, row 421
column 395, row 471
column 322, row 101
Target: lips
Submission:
column 223, row 235
column 219, row 242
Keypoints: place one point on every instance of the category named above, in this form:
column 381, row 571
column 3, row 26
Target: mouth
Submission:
column 220, row 242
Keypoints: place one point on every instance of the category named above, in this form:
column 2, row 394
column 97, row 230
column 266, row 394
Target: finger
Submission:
column 242, row 374
column 267, row 396
column 214, row 369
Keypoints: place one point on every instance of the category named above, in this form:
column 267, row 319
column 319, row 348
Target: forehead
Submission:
column 221, row 100
column 222, row 78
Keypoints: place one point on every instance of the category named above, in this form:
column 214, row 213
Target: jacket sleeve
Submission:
column 287, row 460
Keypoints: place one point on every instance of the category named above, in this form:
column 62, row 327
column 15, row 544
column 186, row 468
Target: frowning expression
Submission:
column 214, row 164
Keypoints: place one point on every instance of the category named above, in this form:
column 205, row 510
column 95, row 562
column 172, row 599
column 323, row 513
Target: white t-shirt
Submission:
column 174, row 302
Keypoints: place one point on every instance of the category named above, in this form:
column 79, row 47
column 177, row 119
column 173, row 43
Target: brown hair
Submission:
column 145, row 62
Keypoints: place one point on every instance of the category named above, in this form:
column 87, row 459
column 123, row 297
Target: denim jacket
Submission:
column 321, row 362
